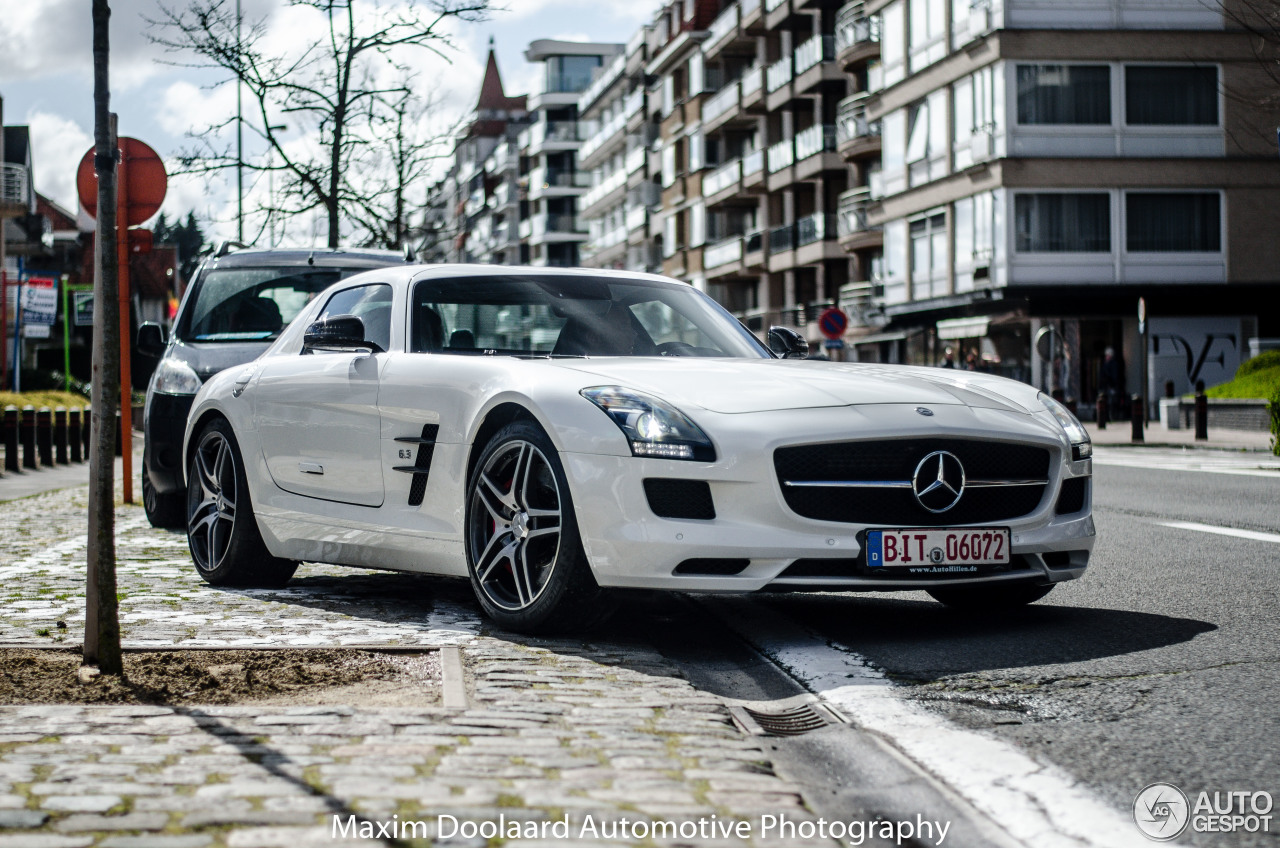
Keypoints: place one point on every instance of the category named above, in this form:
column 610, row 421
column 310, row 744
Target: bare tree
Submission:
column 329, row 90
column 102, row 624
column 399, row 152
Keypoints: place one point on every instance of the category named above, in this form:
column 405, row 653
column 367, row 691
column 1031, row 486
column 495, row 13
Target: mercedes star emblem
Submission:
column 924, row 411
column 939, row 481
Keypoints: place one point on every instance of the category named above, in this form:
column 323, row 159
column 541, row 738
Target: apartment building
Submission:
column 1037, row 169
column 620, row 208
column 479, row 213
column 551, row 232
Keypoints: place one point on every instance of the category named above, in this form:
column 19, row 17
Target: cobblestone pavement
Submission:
column 603, row 737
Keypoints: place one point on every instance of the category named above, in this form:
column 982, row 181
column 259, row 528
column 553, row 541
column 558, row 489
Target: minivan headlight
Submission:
column 174, row 377
column 1081, row 446
column 653, row 427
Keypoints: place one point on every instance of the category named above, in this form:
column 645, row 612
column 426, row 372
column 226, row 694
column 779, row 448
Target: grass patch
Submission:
column 1257, row 378
column 38, row 399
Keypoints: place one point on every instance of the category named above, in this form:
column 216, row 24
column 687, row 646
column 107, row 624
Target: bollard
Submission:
column 11, row 439
column 1202, row 413
column 30, row 459
column 86, row 430
column 1168, row 389
column 74, row 437
column 60, row 435
column 1102, row 410
column 44, row 435
column 1137, row 417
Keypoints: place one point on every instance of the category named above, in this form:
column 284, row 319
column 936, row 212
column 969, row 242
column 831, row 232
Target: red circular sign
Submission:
column 144, row 181
column 833, row 322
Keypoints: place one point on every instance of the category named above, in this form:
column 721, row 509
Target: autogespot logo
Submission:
column 1161, row 811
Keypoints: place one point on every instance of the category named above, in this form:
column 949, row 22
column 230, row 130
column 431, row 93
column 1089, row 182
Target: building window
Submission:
column 928, row 28
column 928, row 254
column 570, row 73
column 1173, row 222
column 1063, row 223
column 1064, row 94
column 893, row 38
column 1165, row 95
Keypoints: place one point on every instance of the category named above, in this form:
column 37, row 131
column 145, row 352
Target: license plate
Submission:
column 913, row 548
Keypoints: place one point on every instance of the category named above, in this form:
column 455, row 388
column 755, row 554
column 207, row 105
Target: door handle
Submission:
column 311, row 468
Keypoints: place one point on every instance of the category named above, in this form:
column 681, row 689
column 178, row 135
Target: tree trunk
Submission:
column 102, row 625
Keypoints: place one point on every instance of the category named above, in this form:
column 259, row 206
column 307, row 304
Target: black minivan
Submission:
column 236, row 305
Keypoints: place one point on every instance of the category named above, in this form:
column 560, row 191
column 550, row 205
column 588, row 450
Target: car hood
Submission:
column 761, row 385
column 208, row 358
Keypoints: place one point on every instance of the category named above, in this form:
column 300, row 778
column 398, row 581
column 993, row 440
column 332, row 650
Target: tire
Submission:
column 165, row 511
column 524, row 554
column 221, row 530
column 990, row 598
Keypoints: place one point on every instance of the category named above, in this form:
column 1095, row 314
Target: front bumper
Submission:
column 629, row 546
column 164, row 426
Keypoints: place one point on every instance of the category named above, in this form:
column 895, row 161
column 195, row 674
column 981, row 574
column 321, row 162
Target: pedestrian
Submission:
column 949, row 359
column 1111, row 380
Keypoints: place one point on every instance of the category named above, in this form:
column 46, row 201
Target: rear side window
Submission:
column 371, row 304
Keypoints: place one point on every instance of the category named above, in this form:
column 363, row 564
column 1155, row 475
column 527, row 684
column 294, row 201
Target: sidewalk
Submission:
column 1121, row 433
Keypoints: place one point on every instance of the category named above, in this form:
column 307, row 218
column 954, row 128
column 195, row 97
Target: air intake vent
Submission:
column 1072, row 497
column 712, row 566
column 688, row 499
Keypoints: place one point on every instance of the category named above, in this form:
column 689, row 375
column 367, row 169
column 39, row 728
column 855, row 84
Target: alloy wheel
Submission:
column 212, row 501
column 515, row 525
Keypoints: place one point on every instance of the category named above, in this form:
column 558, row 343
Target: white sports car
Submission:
column 551, row 434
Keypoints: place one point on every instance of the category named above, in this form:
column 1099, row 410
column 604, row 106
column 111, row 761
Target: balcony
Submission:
column 820, row 48
column 856, row 136
column 601, row 83
column 721, row 28
column 782, row 239
column 15, row 188
column 724, row 177
column 634, row 103
column 781, row 156
column 752, row 79
column 770, row 5
column 553, row 224
column 562, row 134
column 753, row 163
column 613, row 127
column 819, row 138
column 721, row 102
column 814, row 228
column 722, row 253
column 851, row 221
column 546, row 180
column 857, row 36
column 637, row 218
column 778, row 74
column 607, row 240
column 610, row 184
column 635, row 160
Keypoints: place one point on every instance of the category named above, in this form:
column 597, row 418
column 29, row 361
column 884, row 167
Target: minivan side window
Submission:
column 371, row 304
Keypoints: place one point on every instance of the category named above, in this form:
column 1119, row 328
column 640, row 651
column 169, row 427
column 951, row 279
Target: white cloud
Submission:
column 57, row 145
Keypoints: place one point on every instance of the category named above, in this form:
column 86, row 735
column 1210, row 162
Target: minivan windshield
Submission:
column 530, row 315
column 252, row 304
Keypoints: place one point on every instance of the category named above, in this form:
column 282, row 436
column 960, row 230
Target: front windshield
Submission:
column 572, row 316
column 252, row 304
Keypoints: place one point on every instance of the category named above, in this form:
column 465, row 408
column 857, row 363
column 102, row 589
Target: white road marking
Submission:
column 1222, row 531
column 1039, row 805
column 1210, row 462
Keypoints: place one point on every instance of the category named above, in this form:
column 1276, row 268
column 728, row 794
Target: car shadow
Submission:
column 924, row 640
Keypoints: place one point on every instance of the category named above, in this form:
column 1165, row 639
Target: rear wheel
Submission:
column 524, row 554
column 221, row 530
column 990, row 598
column 164, row 510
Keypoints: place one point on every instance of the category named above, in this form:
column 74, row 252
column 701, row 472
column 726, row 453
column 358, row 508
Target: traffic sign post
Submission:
column 141, row 184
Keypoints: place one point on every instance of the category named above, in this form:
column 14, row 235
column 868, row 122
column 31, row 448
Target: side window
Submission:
column 371, row 304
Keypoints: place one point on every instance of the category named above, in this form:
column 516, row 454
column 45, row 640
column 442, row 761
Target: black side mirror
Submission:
column 341, row 332
column 787, row 343
column 151, row 340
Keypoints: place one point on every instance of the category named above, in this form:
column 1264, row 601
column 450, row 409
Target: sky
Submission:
column 46, row 82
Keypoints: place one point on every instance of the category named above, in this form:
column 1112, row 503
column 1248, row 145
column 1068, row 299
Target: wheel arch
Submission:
column 494, row 420
column 200, row 423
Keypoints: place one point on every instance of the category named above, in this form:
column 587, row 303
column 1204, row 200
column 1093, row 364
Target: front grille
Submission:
column 690, row 499
column 1071, row 498
column 896, row 460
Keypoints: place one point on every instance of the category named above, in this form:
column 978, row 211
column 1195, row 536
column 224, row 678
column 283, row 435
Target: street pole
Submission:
column 126, row 325
column 239, row 142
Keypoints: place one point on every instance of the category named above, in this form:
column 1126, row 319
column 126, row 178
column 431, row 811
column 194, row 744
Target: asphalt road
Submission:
column 1161, row 665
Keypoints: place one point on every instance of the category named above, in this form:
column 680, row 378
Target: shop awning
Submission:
column 963, row 328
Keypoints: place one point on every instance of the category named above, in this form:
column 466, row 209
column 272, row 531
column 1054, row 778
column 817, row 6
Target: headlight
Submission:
column 175, row 378
column 1081, row 447
column 653, row 427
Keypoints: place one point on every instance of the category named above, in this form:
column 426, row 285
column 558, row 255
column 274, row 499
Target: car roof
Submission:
column 321, row 256
column 420, row 272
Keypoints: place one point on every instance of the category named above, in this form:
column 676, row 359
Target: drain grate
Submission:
column 791, row 720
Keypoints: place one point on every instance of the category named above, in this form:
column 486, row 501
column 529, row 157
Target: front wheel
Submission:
column 221, row 530
column 524, row 554
column 988, row 598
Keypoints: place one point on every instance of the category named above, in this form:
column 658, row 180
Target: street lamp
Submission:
column 271, row 180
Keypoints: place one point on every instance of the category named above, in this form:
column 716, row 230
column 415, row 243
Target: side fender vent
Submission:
column 421, row 467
